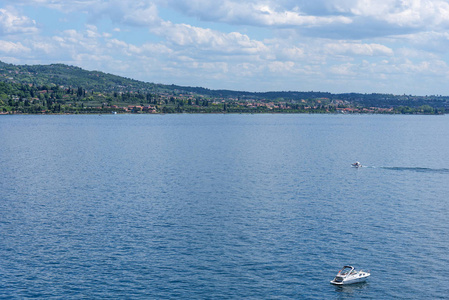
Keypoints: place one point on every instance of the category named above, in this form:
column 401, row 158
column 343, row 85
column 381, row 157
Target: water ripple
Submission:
column 222, row 207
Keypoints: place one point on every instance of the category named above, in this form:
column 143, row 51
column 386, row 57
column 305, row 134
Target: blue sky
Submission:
column 385, row 46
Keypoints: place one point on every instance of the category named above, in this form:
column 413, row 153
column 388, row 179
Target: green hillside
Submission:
column 59, row 88
column 70, row 76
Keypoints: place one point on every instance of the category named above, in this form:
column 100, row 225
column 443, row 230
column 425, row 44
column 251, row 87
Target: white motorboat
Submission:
column 357, row 164
column 349, row 275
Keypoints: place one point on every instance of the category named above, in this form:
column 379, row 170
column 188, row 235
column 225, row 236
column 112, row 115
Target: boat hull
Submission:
column 353, row 279
column 349, row 281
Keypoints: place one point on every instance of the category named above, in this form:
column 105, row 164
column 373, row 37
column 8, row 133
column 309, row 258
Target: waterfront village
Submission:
column 62, row 89
column 62, row 100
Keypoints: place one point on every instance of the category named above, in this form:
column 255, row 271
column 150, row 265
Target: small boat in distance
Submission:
column 356, row 164
column 349, row 275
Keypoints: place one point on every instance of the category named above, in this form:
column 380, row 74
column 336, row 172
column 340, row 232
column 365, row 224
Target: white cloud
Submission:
column 45, row 47
column 343, row 69
column 432, row 41
column 146, row 50
column 358, row 49
column 129, row 12
column 424, row 67
column 63, row 5
column 356, row 19
column 270, row 13
column 392, row 17
column 279, row 67
column 12, row 23
column 136, row 13
column 116, row 44
column 398, row 69
column 13, row 48
column 205, row 39
column 410, row 13
column 253, row 44
column 266, row 13
column 291, row 53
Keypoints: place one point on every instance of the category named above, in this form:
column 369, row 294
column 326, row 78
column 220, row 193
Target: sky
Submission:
column 338, row 46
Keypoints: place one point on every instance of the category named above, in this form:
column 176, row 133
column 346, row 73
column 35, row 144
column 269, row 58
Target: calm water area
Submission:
column 223, row 206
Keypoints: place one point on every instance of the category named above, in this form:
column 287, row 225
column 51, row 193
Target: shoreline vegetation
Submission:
column 63, row 89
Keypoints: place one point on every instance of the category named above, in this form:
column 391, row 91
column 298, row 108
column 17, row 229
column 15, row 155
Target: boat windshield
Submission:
column 346, row 270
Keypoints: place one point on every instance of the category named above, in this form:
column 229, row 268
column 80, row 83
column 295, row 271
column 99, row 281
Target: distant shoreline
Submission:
column 217, row 113
column 62, row 89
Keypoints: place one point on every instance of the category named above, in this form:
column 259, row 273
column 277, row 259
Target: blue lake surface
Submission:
column 223, row 206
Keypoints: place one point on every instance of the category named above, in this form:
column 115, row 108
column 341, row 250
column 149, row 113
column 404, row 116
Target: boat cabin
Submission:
column 346, row 271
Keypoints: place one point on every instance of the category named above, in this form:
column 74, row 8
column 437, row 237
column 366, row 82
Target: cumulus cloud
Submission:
column 383, row 18
column 343, row 69
column 257, row 13
column 291, row 53
column 12, row 23
column 358, row 49
column 131, row 12
column 408, row 13
column 343, row 18
column 356, row 19
column 147, row 49
column 423, row 67
column 436, row 42
column 209, row 40
column 12, row 48
column 63, row 5
column 134, row 13
column 278, row 13
column 270, row 44
column 279, row 66
column 266, row 15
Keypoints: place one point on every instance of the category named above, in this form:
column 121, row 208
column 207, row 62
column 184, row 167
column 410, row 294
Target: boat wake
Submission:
column 417, row 169
column 358, row 165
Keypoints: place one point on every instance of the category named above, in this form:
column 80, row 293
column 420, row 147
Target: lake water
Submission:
column 223, row 206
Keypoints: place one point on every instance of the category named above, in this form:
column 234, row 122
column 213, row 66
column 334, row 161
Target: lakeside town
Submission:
column 62, row 89
column 60, row 100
